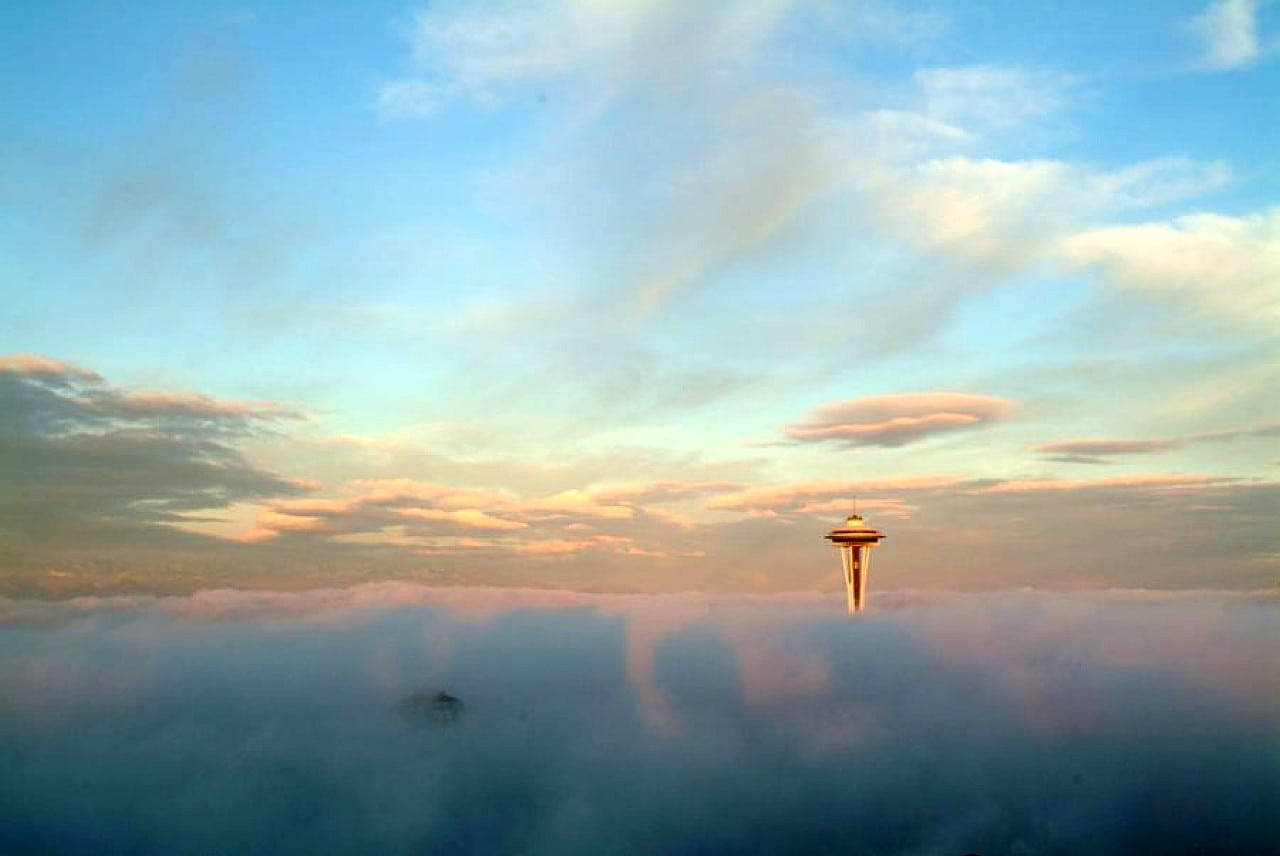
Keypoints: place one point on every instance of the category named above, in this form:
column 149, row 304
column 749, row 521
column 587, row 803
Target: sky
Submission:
column 639, row 296
column 945, row 723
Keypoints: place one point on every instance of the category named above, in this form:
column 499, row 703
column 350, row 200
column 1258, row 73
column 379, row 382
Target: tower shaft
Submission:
column 856, row 559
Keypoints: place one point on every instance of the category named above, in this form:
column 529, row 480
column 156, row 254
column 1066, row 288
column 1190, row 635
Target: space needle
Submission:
column 855, row 540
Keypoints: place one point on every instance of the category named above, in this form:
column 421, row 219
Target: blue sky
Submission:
column 527, row 249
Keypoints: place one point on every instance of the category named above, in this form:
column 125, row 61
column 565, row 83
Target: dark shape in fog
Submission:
column 438, row 708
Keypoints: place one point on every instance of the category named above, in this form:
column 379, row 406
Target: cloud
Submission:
column 45, row 368
column 1002, row 723
column 82, row 455
column 753, row 150
column 408, row 99
column 1144, row 482
column 430, row 519
column 1227, row 266
column 1229, row 30
column 118, row 490
column 407, row 510
column 814, row 497
column 1097, row 451
column 991, row 96
column 605, row 51
column 1147, row 529
column 1107, row 447
column 994, row 214
column 578, row 503
column 670, row 123
column 661, row 491
column 895, row 420
column 1159, row 181
column 1009, row 214
column 997, row 217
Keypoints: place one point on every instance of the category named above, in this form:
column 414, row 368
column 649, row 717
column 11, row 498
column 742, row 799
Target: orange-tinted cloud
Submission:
column 429, row 518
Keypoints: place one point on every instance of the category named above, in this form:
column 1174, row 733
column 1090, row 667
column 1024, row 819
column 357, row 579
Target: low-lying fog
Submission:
column 1012, row 723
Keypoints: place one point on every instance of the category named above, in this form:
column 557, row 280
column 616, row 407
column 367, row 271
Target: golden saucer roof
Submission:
column 855, row 531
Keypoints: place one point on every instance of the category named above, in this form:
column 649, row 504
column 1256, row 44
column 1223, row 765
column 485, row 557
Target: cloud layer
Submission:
column 1014, row 722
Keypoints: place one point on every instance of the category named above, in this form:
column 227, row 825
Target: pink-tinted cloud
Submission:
column 404, row 490
column 576, row 502
column 895, row 420
column 35, row 365
column 895, row 508
column 1154, row 481
column 819, row 497
column 661, row 491
column 373, row 506
column 196, row 406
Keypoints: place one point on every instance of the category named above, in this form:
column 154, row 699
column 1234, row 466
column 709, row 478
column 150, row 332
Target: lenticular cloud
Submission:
column 895, row 420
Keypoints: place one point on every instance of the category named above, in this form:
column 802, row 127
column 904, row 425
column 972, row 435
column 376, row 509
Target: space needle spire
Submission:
column 855, row 540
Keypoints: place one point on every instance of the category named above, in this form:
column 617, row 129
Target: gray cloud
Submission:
column 80, row 455
column 1098, row 451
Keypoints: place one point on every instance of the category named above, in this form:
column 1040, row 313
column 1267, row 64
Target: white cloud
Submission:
column 1229, row 266
column 408, row 98
column 1229, row 29
column 705, row 154
column 992, row 96
column 987, row 211
column 1160, row 181
column 604, row 50
column 707, row 157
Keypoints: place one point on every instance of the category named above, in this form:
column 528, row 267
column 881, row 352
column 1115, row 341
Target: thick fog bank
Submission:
column 1014, row 723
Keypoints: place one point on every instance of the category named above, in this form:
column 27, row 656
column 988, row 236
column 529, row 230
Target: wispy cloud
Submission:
column 1099, row 450
column 1228, row 30
column 602, row 51
column 740, row 155
column 991, row 96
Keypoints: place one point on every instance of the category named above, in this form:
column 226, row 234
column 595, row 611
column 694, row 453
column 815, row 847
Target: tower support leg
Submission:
column 856, row 560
